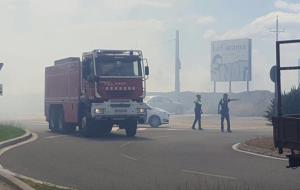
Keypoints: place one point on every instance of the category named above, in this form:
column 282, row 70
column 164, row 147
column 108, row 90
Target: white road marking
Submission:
column 177, row 129
column 142, row 129
column 128, row 157
column 236, row 148
column 161, row 137
column 208, row 174
column 125, row 144
column 55, row 136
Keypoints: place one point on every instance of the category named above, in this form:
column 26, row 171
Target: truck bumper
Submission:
column 118, row 110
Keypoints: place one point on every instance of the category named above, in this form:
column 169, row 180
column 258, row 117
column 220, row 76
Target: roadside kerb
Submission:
column 236, row 148
column 13, row 181
column 17, row 140
column 5, row 176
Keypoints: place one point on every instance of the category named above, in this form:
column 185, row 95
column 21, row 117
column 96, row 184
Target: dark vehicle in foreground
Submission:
column 105, row 88
column 286, row 128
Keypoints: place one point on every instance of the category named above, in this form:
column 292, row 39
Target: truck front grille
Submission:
column 120, row 105
column 120, row 94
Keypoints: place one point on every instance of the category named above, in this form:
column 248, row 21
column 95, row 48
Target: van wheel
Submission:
column 53, row 124
column 131, row 127
column 86, row 127
column 154, row 121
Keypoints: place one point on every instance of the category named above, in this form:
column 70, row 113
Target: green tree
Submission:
column 290, row 104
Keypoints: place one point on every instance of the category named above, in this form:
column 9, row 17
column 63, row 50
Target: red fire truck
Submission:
column 103, row 89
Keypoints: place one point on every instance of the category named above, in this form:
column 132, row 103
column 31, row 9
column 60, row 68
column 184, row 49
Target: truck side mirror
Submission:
column 147, row 70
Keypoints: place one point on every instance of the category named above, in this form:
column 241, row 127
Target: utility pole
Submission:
column 277, row 31
column 1, row 86
column 177, row 66
column 299, row 74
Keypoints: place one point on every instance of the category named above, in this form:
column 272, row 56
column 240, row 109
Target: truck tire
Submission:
column 62, row 126
column 107, row 129
column 154, row 121
column 130, row 128
column 102, row 128
column 53, row 125
column 86, row 127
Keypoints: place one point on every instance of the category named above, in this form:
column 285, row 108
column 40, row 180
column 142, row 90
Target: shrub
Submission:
column 290, row 104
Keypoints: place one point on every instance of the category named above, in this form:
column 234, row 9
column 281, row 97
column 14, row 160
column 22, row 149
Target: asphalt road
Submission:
column 171, row 157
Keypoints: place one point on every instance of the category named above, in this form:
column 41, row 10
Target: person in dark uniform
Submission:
column 223, row 109
column 198, row 111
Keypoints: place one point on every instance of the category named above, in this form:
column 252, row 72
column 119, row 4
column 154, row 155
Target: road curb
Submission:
column 236, row 148
column 13, row 181
column 6, row 176
column 17, row 140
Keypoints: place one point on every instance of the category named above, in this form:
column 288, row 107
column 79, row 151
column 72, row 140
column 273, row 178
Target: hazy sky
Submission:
column 34, row 33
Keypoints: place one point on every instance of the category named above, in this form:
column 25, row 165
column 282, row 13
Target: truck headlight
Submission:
column 99, row 110
column 141, row 110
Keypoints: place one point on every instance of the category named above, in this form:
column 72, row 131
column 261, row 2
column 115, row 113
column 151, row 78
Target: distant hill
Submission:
column 252, row 103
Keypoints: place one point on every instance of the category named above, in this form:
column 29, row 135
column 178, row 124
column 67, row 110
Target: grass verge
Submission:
column 10, row 131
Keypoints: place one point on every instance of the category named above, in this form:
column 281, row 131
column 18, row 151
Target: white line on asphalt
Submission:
column 161, row 137
column 125, row 144
column 142, row 129
column 208, row 174
column 176, row 129
column 54, row 136
column 128, row 157
column 236, row 148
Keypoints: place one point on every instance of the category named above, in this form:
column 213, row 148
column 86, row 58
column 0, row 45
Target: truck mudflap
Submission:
column 286, row 133
column 119, row 110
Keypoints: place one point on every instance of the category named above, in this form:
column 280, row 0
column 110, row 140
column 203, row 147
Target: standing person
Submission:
column 223, row 109
column 198, row 111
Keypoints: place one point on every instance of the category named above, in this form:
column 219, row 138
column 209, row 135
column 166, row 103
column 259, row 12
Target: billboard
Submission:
column 231, row 60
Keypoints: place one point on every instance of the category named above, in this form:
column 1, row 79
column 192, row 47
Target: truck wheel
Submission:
column 130, row 128
column 86, row 127
column 53, row 125
column 70, row 129
column 62, row 127
column 154, row 121
column 103, row 128
column 107, row 129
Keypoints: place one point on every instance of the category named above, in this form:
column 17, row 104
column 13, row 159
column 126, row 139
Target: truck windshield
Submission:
column 119, row 67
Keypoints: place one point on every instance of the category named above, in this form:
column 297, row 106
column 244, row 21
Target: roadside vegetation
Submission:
column 39, row 186
column 290, row 104
column 10, row 131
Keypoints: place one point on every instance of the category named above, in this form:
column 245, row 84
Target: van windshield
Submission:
column 118, row 67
